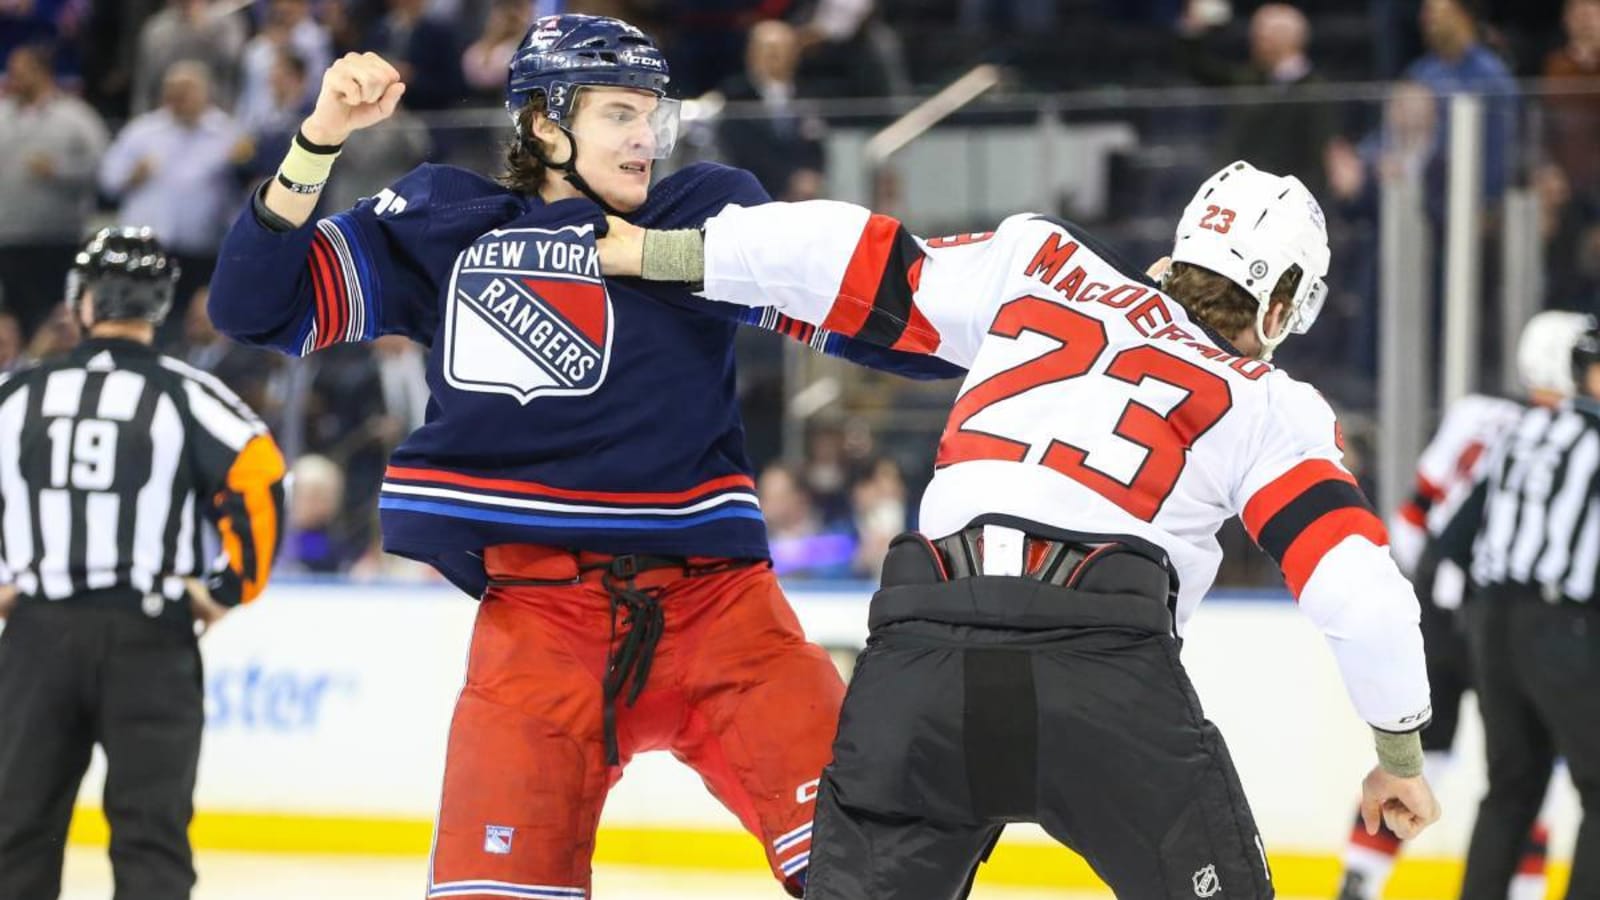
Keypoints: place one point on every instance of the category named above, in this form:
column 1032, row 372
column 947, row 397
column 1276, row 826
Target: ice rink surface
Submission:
column 250, row 876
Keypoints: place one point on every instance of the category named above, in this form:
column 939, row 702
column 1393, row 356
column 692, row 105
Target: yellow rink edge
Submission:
column 1016, row 864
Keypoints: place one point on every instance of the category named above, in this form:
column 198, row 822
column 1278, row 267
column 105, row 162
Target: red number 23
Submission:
column 1165, row 439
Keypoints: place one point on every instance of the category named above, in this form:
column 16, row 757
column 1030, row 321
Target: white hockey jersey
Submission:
column 1447, row 471
column 1095, row 404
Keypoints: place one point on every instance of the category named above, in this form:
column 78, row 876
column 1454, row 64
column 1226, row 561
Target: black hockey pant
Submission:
column 987, row 700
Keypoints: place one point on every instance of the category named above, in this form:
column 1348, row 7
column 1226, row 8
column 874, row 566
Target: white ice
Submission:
column 254, row 876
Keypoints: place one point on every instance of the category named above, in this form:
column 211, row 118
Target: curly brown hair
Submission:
column 1223, row 306
column 524, row 171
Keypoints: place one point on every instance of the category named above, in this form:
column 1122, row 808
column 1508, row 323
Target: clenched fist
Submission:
column 359, row 90
column 1406, row 805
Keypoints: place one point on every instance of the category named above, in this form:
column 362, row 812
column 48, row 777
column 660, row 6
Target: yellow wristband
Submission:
column 306, row 166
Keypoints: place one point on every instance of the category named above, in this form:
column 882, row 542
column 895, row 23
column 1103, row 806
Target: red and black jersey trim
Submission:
column 1306, row 512
column 875, row 300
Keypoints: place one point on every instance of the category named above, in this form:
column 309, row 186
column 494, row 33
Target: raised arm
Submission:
column 285, row 282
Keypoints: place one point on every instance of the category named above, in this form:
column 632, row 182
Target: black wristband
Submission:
column 305, row 144
column 298, row 188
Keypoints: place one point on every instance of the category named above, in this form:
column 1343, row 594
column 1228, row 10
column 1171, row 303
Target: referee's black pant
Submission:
column 988, row 700
column 73, row 676
column 1537, row 668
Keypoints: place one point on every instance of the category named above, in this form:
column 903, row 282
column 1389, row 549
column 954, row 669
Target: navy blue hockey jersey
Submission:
column 566, row 410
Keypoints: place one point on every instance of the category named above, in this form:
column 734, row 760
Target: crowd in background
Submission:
column 167, row 112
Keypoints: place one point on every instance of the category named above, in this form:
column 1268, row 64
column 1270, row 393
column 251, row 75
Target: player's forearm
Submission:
column 1367, row 612
column 293, row 192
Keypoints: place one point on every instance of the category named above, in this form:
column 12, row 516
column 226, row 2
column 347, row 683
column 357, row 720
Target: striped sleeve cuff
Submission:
column 343, row 286
column 875, row 296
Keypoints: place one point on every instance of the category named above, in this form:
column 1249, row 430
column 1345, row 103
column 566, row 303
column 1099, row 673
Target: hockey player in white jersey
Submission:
column 1023, row 661
column 1447, row 471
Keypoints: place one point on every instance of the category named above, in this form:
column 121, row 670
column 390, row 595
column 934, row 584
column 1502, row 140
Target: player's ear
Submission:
column 1277, row 317
column 547, row 136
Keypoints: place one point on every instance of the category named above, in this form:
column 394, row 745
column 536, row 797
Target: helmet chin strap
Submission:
column 570, row 170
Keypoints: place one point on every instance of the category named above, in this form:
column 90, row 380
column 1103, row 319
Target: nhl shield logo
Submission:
column 528, row 315
column 1206, row 883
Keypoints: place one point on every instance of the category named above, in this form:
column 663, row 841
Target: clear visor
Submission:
column 1310, row 306
column 628, row 124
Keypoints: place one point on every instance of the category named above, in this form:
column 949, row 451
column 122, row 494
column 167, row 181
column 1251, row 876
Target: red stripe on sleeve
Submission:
column 1278, row 493
column 920, row 336
column 862, row 277
column 329, row 295
column 1301, row 559
column 1428, row 489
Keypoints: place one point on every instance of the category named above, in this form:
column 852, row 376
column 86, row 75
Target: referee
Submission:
column 1533, row 625
column 109, row 459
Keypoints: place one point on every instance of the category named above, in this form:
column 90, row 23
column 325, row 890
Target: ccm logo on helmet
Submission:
column 649, row 62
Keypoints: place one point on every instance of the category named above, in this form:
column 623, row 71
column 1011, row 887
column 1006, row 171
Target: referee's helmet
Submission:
column 125, row 273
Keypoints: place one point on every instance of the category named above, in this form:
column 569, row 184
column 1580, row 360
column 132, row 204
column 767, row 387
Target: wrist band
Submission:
column 678, row 255
column 306, row 166
column 1399, row 754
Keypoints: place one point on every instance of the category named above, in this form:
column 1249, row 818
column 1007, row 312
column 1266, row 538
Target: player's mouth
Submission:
column 636, row 167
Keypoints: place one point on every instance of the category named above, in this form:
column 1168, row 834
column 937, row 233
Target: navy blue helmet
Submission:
column 561, row 53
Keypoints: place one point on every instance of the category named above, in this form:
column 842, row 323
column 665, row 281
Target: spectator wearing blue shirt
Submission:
column 1458, row 62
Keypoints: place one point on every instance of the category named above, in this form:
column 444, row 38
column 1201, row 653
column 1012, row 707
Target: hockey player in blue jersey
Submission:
column 581, row 469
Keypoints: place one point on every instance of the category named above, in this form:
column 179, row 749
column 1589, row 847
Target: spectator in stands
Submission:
column 188, row 30
column 173, row 170
column 850, row 51
column 109, row 44
column 878, row 501
column 289, row 27
column 316, row 541
column 1283, row 134
column 801, row 546
column 779, row 145
column 273, row 125
column 1458, row 62
column 344, row 418
column 1405, row 144
column 484, row 63
column 424, row 50
column 1573, row 120
column 25, row 22
column 50, row 144
column 1403, row 147
column 251, row 373
column 344, row 26
column 403, row 372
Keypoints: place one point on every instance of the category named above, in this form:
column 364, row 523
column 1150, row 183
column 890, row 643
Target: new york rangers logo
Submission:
column 528, row 315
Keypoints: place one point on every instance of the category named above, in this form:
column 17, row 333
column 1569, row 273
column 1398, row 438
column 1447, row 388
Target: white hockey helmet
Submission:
column 1250, row 227
column 1544, row 351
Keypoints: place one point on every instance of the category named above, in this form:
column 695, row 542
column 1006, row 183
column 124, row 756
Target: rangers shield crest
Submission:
column 528, row 315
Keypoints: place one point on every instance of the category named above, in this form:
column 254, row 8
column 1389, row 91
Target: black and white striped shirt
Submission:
column 112, row 460
column 1539, row 505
